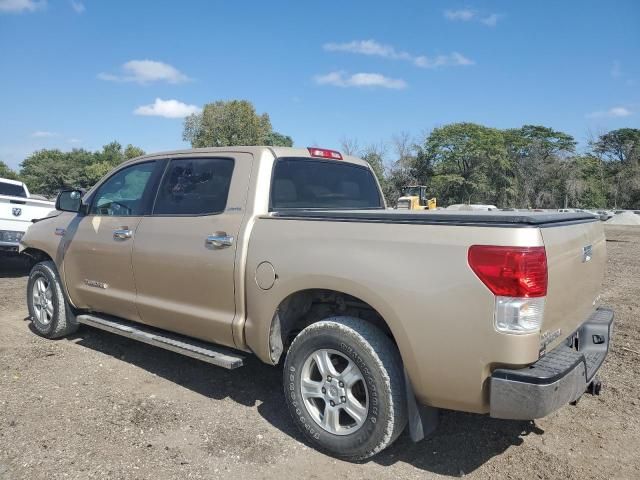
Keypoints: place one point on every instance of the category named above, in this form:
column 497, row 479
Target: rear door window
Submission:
column 194, row 186
column 317, row 184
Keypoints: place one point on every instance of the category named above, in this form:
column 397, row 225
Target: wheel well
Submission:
column 36, row 255
column 305, row 307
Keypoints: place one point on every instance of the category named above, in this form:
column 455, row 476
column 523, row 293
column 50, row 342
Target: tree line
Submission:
column 528, row 167
column 531, row 166
column 48, row 171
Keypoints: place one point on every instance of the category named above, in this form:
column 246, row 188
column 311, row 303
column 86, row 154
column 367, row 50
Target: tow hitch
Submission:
column 595, row 386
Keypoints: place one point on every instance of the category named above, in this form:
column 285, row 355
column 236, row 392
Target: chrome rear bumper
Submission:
column 559, row 377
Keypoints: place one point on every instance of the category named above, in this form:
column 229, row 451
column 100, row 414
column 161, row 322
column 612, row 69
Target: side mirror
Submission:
column 69, row 201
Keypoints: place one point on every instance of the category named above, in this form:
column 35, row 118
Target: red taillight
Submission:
column 324, row 153
column 511, row 271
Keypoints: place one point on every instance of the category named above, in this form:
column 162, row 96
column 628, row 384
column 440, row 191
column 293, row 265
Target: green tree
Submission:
column 584, row 183
column 619, row 150
column 224, row 124
column 47, row 171
column 622, row 145
column 535, row 152
column 132, row 152
column 6, row 172
column 470, row 164
column 275, row 139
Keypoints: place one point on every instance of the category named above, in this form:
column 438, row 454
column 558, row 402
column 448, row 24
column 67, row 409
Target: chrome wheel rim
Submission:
column 42, row 300
column 334, row 392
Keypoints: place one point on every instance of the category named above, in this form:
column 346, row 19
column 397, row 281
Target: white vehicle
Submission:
column 17, row 210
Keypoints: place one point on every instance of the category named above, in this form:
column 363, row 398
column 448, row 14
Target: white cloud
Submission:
column 342, row 79
column 74, row 140
column 167, row 109
column 18, row 6
column 373, row 48
column 467, row 15
column 145, row 72
column 614, row 112
column 43, row 134
column 463, row 15
column 77, row 6
column 367, row 47
column 455, row 59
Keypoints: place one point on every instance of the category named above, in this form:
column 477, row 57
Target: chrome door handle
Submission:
column 122, row 234
column 219, row 240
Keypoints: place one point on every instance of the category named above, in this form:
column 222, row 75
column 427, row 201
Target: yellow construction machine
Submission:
column 414, row 197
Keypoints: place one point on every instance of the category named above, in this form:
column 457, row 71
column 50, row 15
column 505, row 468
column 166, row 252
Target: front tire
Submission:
column 50, row 313
column 344, row 386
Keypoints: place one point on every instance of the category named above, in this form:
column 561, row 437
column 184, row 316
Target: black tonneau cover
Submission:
column 446, row 217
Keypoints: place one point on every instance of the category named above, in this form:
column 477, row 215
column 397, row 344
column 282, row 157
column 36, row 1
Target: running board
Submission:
column 190, row 347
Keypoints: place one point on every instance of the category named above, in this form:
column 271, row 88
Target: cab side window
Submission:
column 122, row 194
column 194, row 187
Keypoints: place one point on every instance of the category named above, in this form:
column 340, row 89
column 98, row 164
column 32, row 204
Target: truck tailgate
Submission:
column 576, row 257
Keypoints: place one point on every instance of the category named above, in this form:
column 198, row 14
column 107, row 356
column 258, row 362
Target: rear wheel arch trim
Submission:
column 276, row 328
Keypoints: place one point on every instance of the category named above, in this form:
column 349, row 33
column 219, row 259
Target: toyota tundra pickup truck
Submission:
column 18, row 208
column 378, row 318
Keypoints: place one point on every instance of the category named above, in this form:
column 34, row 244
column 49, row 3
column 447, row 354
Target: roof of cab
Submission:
column 255, row 150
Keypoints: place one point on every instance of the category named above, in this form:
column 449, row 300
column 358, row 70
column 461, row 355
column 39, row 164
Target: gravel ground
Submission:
column 100, row 406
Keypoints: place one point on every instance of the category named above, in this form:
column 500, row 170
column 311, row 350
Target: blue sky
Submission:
column 80, row 73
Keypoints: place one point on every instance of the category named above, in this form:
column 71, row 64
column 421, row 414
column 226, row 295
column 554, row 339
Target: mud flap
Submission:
column 423, row 420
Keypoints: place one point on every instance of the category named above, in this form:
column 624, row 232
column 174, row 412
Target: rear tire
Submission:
column 351, row 413
column 50, row 313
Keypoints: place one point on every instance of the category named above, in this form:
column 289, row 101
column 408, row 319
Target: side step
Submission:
column 207, row 352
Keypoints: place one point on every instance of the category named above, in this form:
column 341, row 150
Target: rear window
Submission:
column 318, row 184
column 12, row 190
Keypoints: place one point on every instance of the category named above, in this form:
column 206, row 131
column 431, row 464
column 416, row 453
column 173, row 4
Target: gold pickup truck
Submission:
column 379, row 317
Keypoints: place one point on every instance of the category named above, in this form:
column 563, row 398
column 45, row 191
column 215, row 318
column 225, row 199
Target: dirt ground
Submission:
column 100, row 406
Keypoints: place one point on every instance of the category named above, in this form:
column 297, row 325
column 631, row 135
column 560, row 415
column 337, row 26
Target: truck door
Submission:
column 184, row 253
column 97, row 261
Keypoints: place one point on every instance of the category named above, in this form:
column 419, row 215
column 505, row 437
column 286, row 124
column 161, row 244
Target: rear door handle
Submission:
column 122, row 234
column 219, row 240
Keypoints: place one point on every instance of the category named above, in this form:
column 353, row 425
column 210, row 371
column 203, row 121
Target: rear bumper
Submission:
column 559, row 377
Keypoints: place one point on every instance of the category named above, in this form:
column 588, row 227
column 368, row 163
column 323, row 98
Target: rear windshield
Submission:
column 320, row 184
column 12, row 190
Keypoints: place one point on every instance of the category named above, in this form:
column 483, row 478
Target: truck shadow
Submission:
column 462, row 443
